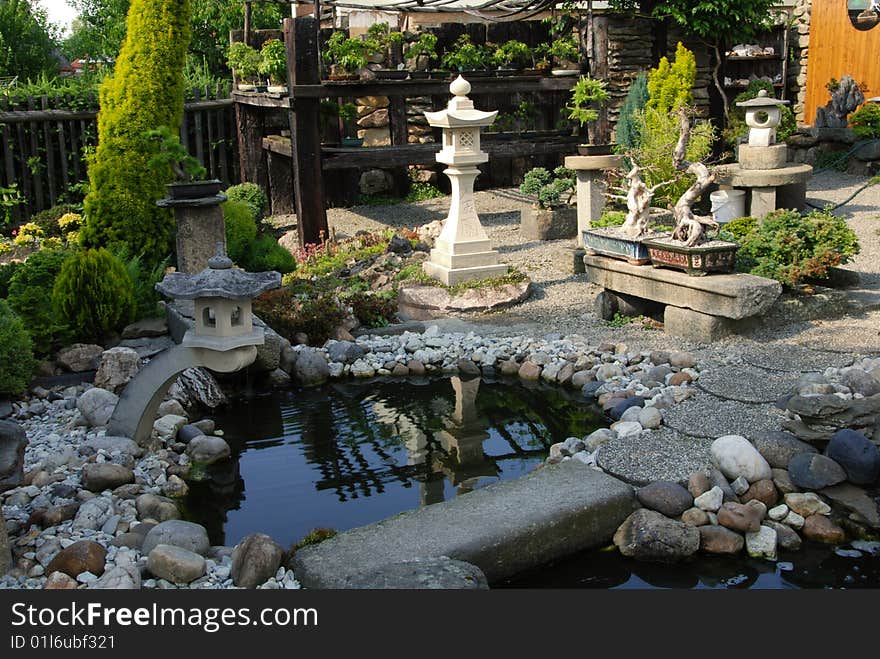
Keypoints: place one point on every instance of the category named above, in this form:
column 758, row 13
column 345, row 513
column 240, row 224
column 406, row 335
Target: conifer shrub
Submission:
column 17, row 361
column 29, row 288
column 670, row 85
column 94, row 294
column 241, row 228
column 629, row 131
column 251, row 194
column 146, row 90
column 265, row 254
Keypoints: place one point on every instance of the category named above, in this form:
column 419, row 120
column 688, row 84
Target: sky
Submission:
column 60, row 13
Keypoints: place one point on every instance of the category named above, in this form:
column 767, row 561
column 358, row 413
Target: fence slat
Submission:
column 33, row 160
column 50, row 155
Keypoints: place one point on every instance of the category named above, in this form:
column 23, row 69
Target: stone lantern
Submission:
column 763, row 115
column 222, row 296
column 463, row 251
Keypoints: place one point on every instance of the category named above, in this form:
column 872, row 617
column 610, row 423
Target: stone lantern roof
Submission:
column 460, row 112
column 762, row 100
column 219, row 279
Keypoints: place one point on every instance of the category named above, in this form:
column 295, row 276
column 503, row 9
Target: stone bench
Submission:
column 698, row 308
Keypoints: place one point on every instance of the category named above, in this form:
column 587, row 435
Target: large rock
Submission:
column 786, row 537
column 812, row 471
column 82, row 556
column 649, row 536
column 255, row 559
column 269, row 352
column 374, row 181
column 79, row 357
column 831, row 410
column 186, row 535
column 195, row 388
column 345, row 352
column 152, row 506
column 860, row 382
column 740, row 517
column 667, row 498
column 311, row 369
column 854, row 499
column 111, row 445
column 13, row 441
column 762, row 543
column 93, row 514
column 118, row 366
column 763, row 491
column 97, row 405
column 778, row 448
column 735, row 456
column 175, row 564
column 806, row 504
column 208, row 449
column 821, row 529
column 420, row 574
column 105, row 476
column 717, row 539
column 119, row 577
column 146, row 328
column 166, row 427
column 859, row 457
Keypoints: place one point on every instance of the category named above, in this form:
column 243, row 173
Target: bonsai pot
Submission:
column 610, row 241
column 711, row 256
column 595, row 149
column 564, row 72
column 391, row 74
column 246, row 87
column 194, row 189
column 504, row 71
column 419, row 75
column 343, row 77
column 348, row 142
column 277, row 89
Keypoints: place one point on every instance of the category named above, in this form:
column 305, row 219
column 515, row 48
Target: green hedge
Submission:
column 17, row 361
column 29, row 290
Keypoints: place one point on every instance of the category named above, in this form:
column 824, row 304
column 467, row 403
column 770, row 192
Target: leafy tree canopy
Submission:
column 26, row 40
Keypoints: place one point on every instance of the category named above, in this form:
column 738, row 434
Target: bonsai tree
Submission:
column 381, row 39
column 564, row 50
column 512, row 54
column 348, row 113
column 425, row 46
column 551, row 190
column 690, row 228
column 172, row 154
column 346, row 55
column 244, row 61
column 526, row 114
column 466, row 56
column 585, row 95
column 273, row 61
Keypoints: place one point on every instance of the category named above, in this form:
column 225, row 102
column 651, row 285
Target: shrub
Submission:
column 251, row 194
column 865, row 121
column 741, row 227
column 143, row 280
column 29, row 288
column 373, row 309
column 265, row 254
column 94, row 294
column 17, row 361
column 288, row 314
column 671, row 85
column 551, row 190
column 29, row 234
column 609, row 219
column 313, row 537
column 788, row 246
column 144, row 92
column 49, row 219
column 6, row 272
column 629, row 132
column 241, row 228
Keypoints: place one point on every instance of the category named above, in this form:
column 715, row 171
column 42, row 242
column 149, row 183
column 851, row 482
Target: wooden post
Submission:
column 301, row 39
column 251, row 157
column 399, row 137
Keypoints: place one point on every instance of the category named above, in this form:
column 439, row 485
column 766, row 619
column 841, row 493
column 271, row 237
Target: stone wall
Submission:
column 799, row 45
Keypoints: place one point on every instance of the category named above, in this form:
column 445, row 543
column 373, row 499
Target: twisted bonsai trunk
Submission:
column 690, row 228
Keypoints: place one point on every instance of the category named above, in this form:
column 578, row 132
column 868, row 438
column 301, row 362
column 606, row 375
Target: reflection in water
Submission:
column 350, row 454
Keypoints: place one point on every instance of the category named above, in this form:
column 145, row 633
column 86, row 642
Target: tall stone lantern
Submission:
column 462, row 251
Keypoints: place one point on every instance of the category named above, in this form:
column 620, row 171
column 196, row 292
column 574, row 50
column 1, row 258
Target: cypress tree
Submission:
column 144, row 92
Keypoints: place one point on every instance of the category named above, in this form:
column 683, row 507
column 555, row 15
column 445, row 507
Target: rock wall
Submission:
column 799, row 46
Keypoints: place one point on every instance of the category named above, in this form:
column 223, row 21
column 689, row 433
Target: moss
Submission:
column 313, row 537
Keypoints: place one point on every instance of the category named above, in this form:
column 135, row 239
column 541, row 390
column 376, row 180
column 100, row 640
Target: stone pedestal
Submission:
column 762, row 157
column 590, row 187
column 768, row 185
column 200, row 227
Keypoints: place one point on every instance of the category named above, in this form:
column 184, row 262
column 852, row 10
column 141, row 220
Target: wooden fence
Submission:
column 42, row 149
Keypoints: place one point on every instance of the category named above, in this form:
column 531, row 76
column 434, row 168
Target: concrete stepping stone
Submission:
column 747, row 383
column 706, row 415
column 664, row 455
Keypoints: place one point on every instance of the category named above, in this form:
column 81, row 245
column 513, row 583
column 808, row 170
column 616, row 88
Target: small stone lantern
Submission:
column 763, row 115
column 222, row 296
column 463, row 251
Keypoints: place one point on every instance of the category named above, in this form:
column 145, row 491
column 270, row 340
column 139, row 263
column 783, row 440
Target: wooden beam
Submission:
column 301, row 39
column 412, row 88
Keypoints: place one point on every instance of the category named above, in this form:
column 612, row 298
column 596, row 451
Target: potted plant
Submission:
column 512, row 56
column 526, row 115
column 586, row 94
column 565, row 54
column 420, row 53
column 189, row 174
column 346, row 56
column 552, row 217
column 382, row 42
column 245, row 64
column 466, row 58
column 542, row 61
column 273, row 63
column 502, row 128
column 348, row 113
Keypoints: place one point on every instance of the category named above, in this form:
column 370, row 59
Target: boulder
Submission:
column 820, row 528
column 196, row 387
column 269, row 352
column 717, row 479
column 710, row 501
column 530, row 371
column 79, row 357
column 81, row 556
column 854, row 499
column 859, row 457
column 649, row 536
column 860, row 381
column 782, row 481
column 119, row 577
column 311, row 368
column 740, row 517
column 255, row 559
column 763, row 491
column 698, row 483
column 98, row 477
column 695, row 517
column 345, row 352
column 667, row 498
column 186, row 535
column 170, row 406
column 806, row 504
column 166, row 427
column 778, row 448
column 13, row 441
column 118, row 366
column 786, row 537
column 762, row 543
column 161, row 509
column 650, row 418
column 96, row 406
column 208, row 449
column 146, row 328
column 735, row 456
column 57, row 514
column 60, row 581
column 419, row 574
column 175, row 564
column 121, row 445
column 93, row 514
column 720, row 540
column 812, row 471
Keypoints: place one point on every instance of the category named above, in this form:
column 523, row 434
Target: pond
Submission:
column 346, row 455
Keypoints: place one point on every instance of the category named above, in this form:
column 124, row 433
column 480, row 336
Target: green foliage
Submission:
column 17, row 361
column 252, row 195
column 241, row 228
column 243, row 60
column 551, row 190
column 740, row 227
column 29, row 288
column 26, row 44
column 788, row 246
column 865, row 121
column 313, row 537
column 425, row 45
column 143, row 280
column 609, row 218
column 422, row 191
column 670, row 85
column 534, row 180
column 98, row 30
column 563, row 49
column 723, row 21
column 144, row 92
column 629, row 133
column 47, row 220
column 348, row 53
column 465, row 56
column 273, row 61
column 585, row 95
column 7, row 270
column 171, row 153
column 287, row 314
column 94, row 295
column 372, row 309
column 512, row 53
column 736, row 118
column 264, row 254
column 9, row 198
column 324, row 259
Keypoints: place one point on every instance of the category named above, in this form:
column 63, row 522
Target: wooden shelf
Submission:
column 752, row 58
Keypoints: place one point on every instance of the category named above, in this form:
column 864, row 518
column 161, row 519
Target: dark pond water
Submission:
column 342, row 456
column 348, row 455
